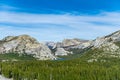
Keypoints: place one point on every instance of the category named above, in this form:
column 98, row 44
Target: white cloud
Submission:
column 63, row 25
column 105, row 17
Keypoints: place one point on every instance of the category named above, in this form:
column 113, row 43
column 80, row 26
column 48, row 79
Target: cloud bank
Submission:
column 55, row 27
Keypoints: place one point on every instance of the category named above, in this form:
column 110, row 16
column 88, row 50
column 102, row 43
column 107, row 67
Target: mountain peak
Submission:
column 25, row 44
column 72, row 42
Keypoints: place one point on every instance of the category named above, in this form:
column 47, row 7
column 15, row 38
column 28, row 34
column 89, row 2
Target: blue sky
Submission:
column 55, row 20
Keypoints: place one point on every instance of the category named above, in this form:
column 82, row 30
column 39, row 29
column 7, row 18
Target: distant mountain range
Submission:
column 100, row 48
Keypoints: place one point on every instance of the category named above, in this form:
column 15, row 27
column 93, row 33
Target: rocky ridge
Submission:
column 62, row 48
column 106, row 46
column 25, row 44
column 109, row 46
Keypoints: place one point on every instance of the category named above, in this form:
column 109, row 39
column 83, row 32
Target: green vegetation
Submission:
column 77, row 53
column 16, row 56
column 72, row 69
column 118, row 43
column 61, row 70
column 92, row 53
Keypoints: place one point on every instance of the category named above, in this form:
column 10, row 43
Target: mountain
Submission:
column 24, row 44
column 63, row 48
column 105, row 47
column 103, row 51
column 72, row 42
column 100, row 48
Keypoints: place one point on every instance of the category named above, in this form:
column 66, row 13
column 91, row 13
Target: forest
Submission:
column 75, row 69
column 72, row 67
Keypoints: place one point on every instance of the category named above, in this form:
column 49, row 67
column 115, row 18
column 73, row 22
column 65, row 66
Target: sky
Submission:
column 55, row 20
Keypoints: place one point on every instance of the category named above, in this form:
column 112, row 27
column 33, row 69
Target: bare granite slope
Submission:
column 25, row 44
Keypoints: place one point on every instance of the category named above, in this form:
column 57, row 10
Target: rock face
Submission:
column 25, row 44
column 72, row 42
column 61, row 48
column 61, row 52
column 51, row 45
column 107, row 46
column 107, row 41
column 114, row 37
column 75, row 43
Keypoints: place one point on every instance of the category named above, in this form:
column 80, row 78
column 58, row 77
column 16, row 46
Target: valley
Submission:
column 24, row 58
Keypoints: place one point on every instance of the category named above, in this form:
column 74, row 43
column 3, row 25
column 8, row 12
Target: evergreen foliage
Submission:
column 61, row 70
column 71, row 69
column 16, row 56
column 118, row 43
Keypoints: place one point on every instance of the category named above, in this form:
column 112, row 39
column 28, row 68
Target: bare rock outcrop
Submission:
column 62, row 52
column 62, row 48
column 25, row 44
